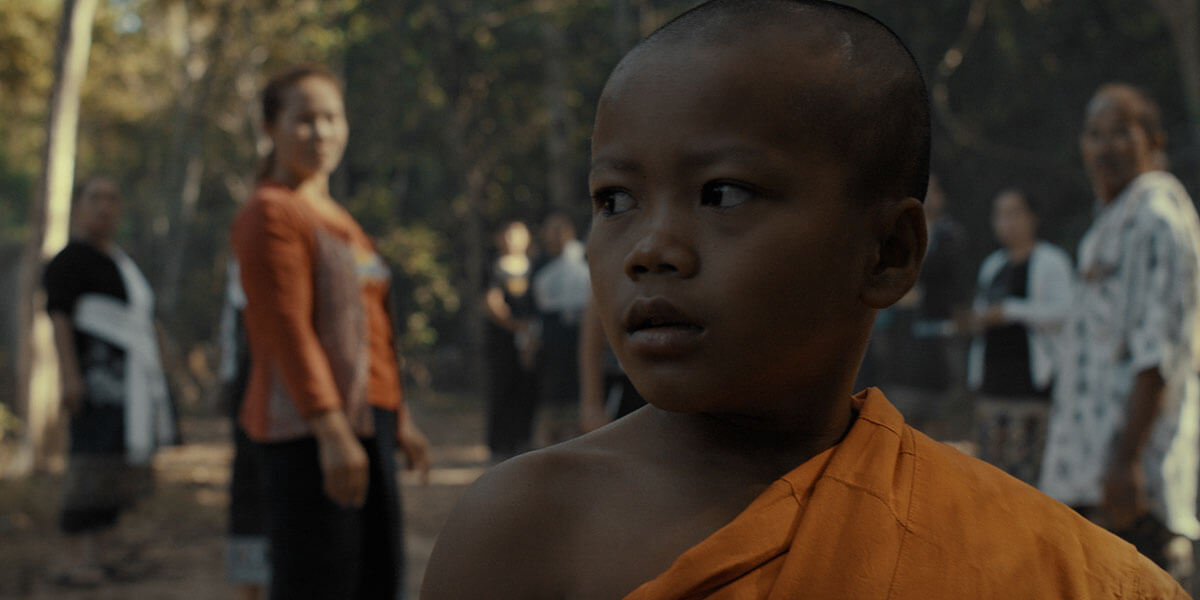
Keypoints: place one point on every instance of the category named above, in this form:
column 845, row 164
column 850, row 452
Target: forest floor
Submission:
column 180, row 529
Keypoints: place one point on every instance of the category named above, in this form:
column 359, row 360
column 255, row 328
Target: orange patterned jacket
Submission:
column 316, row 317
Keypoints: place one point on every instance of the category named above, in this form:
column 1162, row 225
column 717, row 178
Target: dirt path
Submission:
column 181, row 528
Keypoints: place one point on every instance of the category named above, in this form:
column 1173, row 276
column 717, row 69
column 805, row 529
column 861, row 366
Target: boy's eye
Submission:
column 612, row 201
column 724, row 194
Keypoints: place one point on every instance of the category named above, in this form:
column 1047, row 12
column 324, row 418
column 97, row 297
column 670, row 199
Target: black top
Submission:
column 518, row 294
column 1006, row 347
column 918, row 358
column 79, row 269
column 558, row 357
column 945, row 282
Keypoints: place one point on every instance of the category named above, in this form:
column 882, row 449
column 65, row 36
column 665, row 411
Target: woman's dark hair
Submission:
column 81, row 186
column 1031, row 202
column 273, row 97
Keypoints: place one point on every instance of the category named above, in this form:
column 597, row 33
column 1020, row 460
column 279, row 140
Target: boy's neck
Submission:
column 761, row 447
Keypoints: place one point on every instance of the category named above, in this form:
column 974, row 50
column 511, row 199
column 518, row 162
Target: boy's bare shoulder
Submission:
column 594, row 517
column 516, row 529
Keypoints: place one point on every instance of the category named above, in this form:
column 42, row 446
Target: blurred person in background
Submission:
column 512, row 341
column 920, row 370
column 246, row 557
column 1022, row 296
column 324, row 400
column 561, row 289
column 605, row 391
column 113, row 386
column 1122, row 440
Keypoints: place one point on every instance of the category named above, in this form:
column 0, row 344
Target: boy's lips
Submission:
column 656, row 327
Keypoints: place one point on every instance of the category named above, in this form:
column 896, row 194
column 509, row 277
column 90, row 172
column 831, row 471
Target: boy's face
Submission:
column 726, row 260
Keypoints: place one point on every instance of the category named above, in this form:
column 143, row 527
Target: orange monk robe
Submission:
column 890, row 513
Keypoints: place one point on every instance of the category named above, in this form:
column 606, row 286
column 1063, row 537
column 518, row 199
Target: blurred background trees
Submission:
column 465, row 113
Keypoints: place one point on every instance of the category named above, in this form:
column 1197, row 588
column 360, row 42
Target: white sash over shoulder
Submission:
column 130, row 326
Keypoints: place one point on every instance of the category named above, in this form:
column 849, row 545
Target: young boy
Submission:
column 757, row 170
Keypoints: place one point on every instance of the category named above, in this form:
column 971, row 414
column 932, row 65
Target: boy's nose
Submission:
column 661, row 252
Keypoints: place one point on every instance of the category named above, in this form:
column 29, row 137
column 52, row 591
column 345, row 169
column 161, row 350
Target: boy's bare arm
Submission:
column 500, row 540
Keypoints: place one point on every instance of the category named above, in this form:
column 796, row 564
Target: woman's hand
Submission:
column 344, row 470
column 72, row 392
column 1125, row 498
column 991, row 317
column 415, row 446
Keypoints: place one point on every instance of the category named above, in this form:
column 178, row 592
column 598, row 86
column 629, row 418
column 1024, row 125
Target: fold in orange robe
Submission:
column 890, row 513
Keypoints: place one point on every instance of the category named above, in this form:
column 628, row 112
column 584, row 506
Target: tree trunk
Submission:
column 177, row 242
column 37, row 364
column 1183, row 22
column 625, row 26
column 469, row 207
column 476, row 267
column 466, row 90
column 185, row 171
column 558, row 144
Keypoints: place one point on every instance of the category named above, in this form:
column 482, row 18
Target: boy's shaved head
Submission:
column 870, row 104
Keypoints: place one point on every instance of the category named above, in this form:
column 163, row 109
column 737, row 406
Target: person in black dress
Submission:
column 112, row 382
column 512, row 339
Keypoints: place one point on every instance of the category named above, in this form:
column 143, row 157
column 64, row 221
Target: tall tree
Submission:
column 38, row 367
column 181, row 186
column 624, row 25
column 559, row 166
column 1183, row 21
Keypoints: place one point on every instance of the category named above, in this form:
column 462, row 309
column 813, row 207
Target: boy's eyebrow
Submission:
column 615, row 164
column 693, row 160
column 739, row 152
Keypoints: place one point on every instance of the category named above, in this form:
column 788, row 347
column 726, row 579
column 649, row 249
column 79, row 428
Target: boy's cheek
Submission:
column 606, row 258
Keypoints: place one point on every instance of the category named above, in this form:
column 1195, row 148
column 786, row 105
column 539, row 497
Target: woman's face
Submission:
column 1012, row 221
column 310, row 132
column 98, row 210
column 515, row 239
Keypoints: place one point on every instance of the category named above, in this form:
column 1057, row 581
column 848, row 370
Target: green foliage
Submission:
column 1017, row 95
column 15, row 190
column 449, row 103
column 421, row 283
column 9, row 422
column 27, row 31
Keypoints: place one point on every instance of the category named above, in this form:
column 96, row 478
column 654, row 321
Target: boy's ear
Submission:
column 900, row 241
